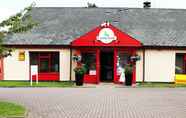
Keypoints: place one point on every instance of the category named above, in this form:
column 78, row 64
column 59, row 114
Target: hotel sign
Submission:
column 106, row 35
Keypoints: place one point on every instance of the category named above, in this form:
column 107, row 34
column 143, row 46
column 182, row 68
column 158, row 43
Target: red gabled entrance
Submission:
column 90, row 39
column 108, row 36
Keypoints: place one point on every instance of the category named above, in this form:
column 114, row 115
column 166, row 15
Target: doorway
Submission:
column 107, row 66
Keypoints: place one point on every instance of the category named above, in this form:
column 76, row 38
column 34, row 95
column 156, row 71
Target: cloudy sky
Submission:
column 10, row 7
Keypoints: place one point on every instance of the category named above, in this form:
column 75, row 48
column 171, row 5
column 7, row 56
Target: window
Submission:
column 44, row 65
column 55, row 62
column 34, row 58
column 46, row 61
column 180, row 63
column 123, row 59
column 89, row 59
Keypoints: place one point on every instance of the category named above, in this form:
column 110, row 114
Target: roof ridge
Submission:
column 111, row 8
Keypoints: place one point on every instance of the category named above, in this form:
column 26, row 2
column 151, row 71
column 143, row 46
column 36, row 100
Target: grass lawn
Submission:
column 11, row 109
column 160, row 85
column 40, row 84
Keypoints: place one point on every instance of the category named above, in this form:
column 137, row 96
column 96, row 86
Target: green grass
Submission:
column 71, row 84
column 11, row 109
column 160, row 85
column 40, row 84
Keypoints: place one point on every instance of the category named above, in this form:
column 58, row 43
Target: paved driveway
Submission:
column 99, row 102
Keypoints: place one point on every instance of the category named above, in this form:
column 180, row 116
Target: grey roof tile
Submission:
column 60, row 26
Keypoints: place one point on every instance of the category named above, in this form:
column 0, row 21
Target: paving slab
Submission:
column 99, row 102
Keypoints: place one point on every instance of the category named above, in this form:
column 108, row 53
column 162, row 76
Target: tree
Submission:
column 91, row 5
column 21, row 22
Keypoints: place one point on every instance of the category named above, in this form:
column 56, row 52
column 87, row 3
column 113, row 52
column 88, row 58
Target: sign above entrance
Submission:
column 106, row 35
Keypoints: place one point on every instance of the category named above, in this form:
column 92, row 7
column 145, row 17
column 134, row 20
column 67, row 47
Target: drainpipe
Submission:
column 143, row 66
column 70, row 64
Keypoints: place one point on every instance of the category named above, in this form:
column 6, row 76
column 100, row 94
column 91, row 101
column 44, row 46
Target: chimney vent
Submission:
column 147, row 4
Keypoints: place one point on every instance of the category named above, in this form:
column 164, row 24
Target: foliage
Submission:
column 21, row 22
column 128, row 69
column 80, row 69
column 11, row 110
column 91, row 5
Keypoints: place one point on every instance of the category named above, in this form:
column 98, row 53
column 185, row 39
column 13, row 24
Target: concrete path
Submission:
column 100, row 102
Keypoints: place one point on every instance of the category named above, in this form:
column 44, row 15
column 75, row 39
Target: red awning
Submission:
column 103, row 36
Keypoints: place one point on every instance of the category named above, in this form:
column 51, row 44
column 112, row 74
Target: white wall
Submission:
column 15, row 69
column 139, row 67
column 65, row 65
column 19, row 70
column 159, row 65
column 73, row 66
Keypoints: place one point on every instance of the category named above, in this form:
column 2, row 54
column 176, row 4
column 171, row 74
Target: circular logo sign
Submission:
column 106, row 35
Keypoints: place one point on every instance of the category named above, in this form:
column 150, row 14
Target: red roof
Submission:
column 90, row 39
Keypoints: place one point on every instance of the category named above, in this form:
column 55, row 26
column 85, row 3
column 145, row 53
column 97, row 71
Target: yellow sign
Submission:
column 22, row 56
column 180, row 79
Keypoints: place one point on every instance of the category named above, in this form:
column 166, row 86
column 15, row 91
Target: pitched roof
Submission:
column 60, row 26
column 117, row 38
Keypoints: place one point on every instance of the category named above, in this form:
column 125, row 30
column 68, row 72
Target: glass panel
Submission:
column 33, row 58
column 47, row 61
column 55, row 62
column 89, row 59
column 179, row 64
column 44, row 65
column 123, row 58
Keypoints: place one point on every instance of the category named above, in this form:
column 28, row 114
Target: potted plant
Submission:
column 80, row 70
column 128, row 74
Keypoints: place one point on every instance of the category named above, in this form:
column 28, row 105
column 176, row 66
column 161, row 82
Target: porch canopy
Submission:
column 106, row 35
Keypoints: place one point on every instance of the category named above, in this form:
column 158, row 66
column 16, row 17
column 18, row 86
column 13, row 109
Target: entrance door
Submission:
column 106, row 66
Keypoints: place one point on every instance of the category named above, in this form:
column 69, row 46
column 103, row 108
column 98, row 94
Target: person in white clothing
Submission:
column 122, row 75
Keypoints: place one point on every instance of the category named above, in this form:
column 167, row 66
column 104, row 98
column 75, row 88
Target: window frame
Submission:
column 183, row 63
column 39, row 56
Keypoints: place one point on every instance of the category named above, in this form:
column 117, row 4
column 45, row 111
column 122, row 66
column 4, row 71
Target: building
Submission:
column 157, row 36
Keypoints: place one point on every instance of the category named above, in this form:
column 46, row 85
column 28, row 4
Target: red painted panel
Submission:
column 134, row 75
column 1, row 69
column 115, row 65
column 98, row 65
column 50, row 76
column 90, row 39
column 91, row 79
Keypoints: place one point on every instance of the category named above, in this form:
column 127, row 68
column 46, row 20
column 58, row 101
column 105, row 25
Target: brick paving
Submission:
column 99, row 102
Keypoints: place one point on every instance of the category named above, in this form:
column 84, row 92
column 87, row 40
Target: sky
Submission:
column 11, row 7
